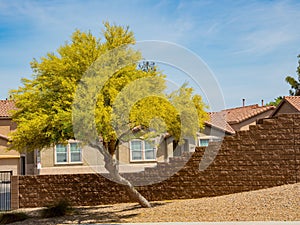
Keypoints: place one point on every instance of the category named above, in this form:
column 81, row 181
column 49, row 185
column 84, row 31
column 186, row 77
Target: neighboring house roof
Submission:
column 5, row 107
column 224, row 119
column 218, row 120
column 294, row 101
column 240, row 114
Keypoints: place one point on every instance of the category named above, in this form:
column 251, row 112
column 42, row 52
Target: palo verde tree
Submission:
column 93, row 91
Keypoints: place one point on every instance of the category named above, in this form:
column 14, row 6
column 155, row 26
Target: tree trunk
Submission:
column 112, row 168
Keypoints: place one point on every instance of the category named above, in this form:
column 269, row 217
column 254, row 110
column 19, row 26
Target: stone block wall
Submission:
column 266, row 155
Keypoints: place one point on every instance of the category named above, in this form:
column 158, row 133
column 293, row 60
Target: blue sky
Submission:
column 250, row 46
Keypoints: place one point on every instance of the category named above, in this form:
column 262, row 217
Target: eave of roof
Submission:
column 218, row 121
column 4, row 137
column 228, row 131
column 9, row 156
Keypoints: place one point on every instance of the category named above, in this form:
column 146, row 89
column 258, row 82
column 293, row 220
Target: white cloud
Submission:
column 267, row 28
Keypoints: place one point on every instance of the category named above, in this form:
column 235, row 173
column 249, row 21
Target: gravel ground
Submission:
column 274, row 204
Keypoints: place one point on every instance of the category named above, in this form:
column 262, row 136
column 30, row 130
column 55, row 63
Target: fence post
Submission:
column 14, row 192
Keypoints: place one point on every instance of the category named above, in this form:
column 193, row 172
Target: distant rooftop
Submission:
column 294, row 101
column 218, row 120
column 227, row 117
column 239, row 114
column 5, row 107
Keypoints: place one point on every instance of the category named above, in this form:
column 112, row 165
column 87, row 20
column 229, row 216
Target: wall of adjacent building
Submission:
column 286, row 108
column 91, row 161
column 10, row 164
column 6, row 126
column 9, row 160
column 123, row 154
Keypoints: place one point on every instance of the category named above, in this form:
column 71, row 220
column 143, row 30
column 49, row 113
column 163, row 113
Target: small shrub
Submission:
column 59, row 209
column 7, row 218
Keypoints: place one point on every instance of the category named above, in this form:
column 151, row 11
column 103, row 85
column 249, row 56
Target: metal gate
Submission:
column 5, row 188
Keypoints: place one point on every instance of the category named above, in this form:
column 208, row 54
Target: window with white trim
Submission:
column 204, row 142
column 141, row 150
column 69, row 153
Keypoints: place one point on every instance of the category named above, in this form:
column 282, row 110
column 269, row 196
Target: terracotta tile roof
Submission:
column 5, row 107
column 218, row 120
column 294, row 101
column 224, row 119
column 239, row 114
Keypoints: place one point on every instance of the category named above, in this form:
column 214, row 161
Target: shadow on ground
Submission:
column 89, row 215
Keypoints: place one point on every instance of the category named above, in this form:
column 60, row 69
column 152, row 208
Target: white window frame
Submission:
column 209, row 138
column 143, row 151
column 68, row 154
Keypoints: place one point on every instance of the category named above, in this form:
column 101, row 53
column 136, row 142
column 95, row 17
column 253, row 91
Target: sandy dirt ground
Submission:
column 274, row 204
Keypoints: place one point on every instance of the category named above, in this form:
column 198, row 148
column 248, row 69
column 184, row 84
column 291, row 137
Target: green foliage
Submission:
column 44, row 103
column 59, row 209
column 44, row 114
column 295, row 84
column 275, row 102
column 7, row 218
column 97, row 85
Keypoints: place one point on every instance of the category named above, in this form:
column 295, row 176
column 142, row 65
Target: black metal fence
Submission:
column 5, row 189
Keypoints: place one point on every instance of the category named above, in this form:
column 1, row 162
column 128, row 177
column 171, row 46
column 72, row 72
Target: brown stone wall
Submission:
column 265, row 156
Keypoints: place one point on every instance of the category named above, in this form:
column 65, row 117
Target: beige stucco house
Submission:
column 9, row 160
column 137, row 154
column 19, row 164
column 134, row 155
